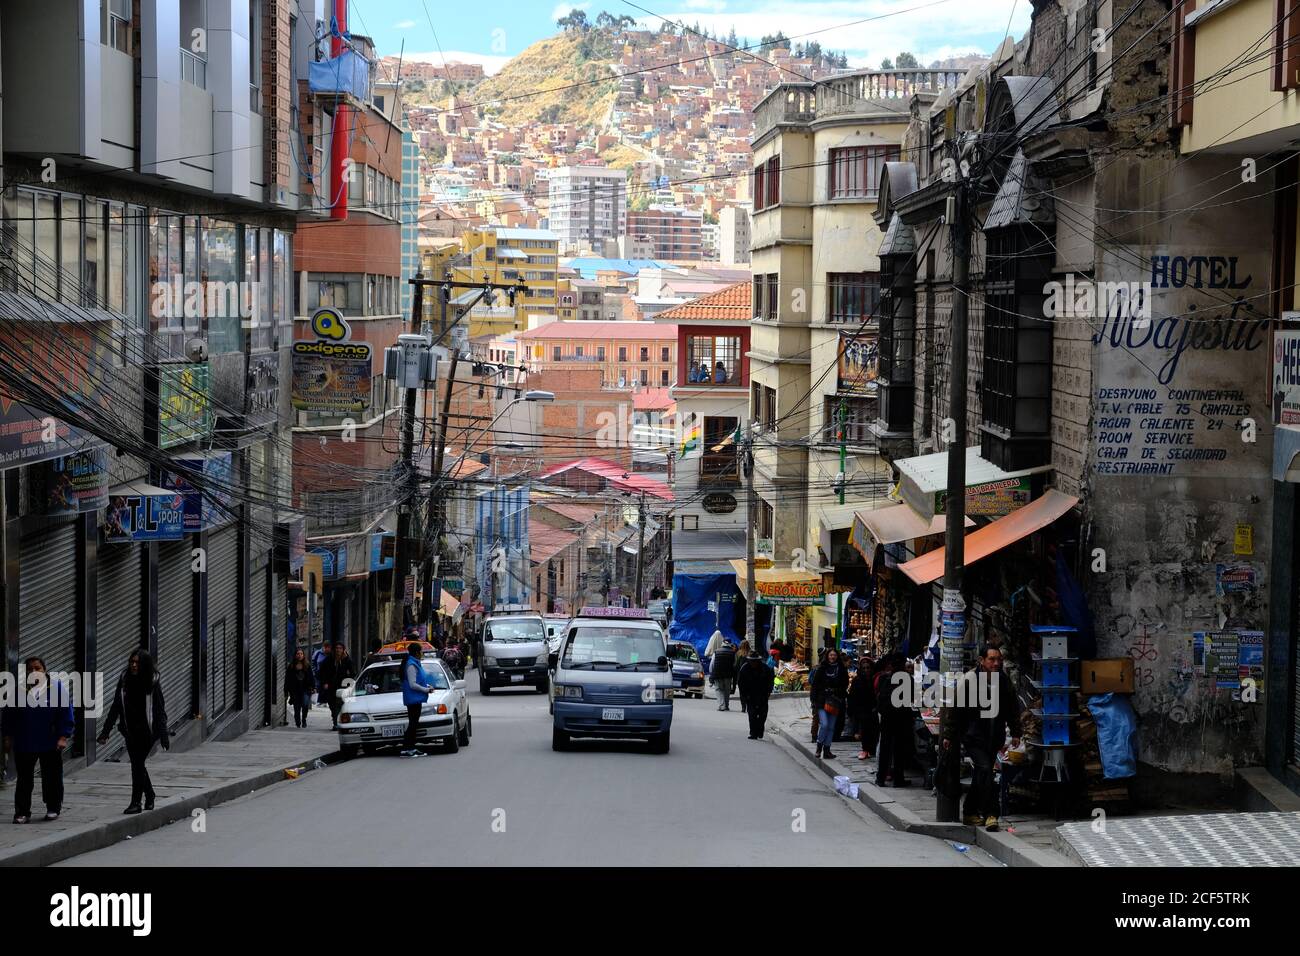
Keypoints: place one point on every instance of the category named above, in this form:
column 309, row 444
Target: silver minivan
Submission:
column 612, row 679
column 513, row 652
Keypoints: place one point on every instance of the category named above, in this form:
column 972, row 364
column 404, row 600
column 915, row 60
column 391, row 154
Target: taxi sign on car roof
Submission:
column 632, row 613
column 399, row 647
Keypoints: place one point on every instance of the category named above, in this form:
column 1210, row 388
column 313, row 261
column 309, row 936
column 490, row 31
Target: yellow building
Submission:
column 527, row 256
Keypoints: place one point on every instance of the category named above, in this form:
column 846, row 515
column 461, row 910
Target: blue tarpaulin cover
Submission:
column 349, row 72
column 1116, row 734
column 693, row 620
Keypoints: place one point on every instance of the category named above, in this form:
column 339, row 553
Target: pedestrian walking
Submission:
column 754, row 680
column 831, row 684
column 140, row 713
column 722, row 669
column 318, row 658
column 333, row 672
column 896, row 722
column 814, row 701
column 416, row 687
column 38, row 730
column 862, row 705
column 981, row 733
column 742, row 654
column 299, row 683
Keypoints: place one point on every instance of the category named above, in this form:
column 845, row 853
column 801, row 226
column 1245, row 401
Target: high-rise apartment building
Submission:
column 588, row 204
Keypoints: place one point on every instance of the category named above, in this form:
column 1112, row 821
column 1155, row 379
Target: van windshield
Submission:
column 521, row 631
column 626, row 648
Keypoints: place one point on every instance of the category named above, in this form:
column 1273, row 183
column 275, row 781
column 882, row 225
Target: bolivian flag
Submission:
column 691, row 442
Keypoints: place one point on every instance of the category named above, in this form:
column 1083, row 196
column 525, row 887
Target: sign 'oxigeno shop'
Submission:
column 331, row 373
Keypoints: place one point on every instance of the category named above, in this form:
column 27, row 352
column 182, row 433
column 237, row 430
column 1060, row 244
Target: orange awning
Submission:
column 991, row 538
column 449, row 604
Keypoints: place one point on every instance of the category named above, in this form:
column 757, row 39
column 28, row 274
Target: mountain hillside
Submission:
column 548, row 69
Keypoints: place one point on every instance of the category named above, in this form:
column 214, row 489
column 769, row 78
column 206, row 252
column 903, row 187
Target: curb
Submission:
column 1002, row 846
column 96, row 836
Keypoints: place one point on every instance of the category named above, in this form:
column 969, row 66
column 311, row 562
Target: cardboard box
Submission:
column 1110, row 676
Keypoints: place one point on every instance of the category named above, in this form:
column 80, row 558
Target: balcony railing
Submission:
column 789, row 103
column 855, row 92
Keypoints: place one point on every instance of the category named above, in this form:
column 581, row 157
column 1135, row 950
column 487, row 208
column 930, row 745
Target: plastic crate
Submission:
column 1055, row 673
column 1056, row 701
column 1056, row 730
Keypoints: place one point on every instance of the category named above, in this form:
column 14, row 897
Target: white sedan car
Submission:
column 374, row 716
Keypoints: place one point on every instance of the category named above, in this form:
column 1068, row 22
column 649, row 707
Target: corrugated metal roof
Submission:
column 615, row 474
column 1022, row 198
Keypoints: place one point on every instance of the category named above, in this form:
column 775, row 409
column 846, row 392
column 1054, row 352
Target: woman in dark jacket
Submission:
column 829, row 685
column 138, row 711
column 299, row 683
column 862, row 706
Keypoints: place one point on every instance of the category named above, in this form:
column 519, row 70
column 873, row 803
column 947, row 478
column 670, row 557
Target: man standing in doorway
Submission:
column 983, row 732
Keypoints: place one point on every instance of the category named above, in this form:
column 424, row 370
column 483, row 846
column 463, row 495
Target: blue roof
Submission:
column 588, row 267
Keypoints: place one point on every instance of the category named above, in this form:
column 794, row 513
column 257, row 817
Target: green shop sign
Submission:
column 184, row 404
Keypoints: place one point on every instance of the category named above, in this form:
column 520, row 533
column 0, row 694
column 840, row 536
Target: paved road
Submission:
column 716, row 799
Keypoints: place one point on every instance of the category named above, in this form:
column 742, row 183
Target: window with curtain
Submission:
column 852, row 298
column 855, row 170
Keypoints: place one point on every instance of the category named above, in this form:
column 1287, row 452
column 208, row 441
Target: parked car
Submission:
column 658, row 609
column 688, row 669
column 373, row 715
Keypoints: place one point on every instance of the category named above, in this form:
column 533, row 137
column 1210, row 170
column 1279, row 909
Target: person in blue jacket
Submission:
column 416, row 688
column 38, row 730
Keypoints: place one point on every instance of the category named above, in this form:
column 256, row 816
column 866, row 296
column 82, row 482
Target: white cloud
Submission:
column 403, row 24
column 932, row 32
column 717, row 6
column 491, row 64
column 563, row 9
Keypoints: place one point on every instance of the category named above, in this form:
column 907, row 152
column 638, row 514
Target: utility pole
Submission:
column 953, row 610
column 438, row 500
column 842, row 433
column 747, row 462
column 640, row 551
column 402, row 561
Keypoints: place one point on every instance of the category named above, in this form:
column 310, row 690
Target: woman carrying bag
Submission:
column 138, row 711
column 298, row 686
column 829, row 687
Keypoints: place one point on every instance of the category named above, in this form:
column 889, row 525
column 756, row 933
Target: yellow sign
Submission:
column 762, row 564
column 1243, row 542
column 328, row 323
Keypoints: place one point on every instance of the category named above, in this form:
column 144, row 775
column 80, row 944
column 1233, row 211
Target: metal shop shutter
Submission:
column 47, row 596
column 121, row 610
column 176, row 627
column 223, row 618
column 259, row 649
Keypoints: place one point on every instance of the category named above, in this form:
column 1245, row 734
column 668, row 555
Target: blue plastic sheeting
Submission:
column 1116, row 734
column 692, row 619
column 349, row 72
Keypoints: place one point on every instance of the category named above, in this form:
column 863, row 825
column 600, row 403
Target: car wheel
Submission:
column 659, row 743
column 348, row 751
column 484, row 687
column 462, row 735
column 453, row 742
column 544, row 687
column 550, row 707
column 559, row 740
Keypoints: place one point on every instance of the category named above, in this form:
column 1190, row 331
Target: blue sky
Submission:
column 492, row 32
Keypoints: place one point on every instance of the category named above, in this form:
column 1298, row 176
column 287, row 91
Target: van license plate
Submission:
column 393, row 730
column 516, row 678
column 611, row 713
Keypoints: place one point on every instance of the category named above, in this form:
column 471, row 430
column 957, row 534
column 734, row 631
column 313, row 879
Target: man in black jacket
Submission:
column 333, row 672
column 723, row 671
column 982, row 731
column 897, row 720
column 754, row 680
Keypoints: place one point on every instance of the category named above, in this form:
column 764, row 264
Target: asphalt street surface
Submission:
column 717, row 799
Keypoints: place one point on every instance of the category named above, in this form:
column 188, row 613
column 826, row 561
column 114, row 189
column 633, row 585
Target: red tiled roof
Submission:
column 732, row 304
column 562, row 329
column 618, row 476
column 545, row 542
column 580, row 513
column 655, row 399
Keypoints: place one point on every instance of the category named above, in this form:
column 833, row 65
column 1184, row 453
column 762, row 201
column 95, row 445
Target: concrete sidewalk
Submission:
column 1024, row 841
column 210, row 774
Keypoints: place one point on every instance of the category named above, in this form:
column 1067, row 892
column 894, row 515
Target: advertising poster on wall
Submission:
column 185, row 411
column 59, row 360
column 1286, row 373
column 859, row 364
column 73, row 484
column 144, row 513
column 203, row 511
column 331, row 374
